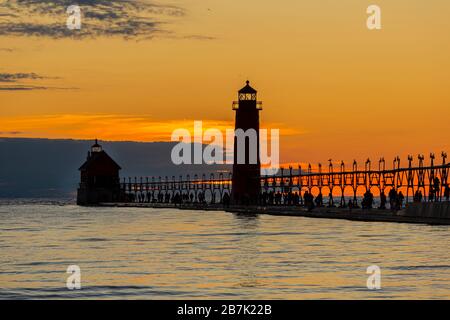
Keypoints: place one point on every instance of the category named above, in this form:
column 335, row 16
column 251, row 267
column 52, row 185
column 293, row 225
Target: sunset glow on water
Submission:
column 177, row 254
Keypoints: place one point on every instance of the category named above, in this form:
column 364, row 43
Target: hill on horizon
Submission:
column 48, row 168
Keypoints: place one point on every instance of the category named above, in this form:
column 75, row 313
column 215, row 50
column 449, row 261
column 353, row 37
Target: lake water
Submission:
column 140, row 253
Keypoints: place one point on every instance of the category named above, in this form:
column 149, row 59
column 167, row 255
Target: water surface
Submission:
column 175, row 254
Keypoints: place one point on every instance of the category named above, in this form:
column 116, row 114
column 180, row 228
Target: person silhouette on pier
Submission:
column 176, row 199
column 271, row 197
column 436, row 187
column 431, row 194
column 305, row 198
column 382, row 200
column 416, row 196
column 296, row 199
column 367, row 200
column 350, row 205
column 309, row 200
column 278, row 197
column 393, row 199
column 447, row 192
column 319, row 200
column 330, row 200
column 400, row 198
column 264, row 197
column 226, row 200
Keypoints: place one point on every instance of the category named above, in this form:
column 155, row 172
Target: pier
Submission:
column 208, row 193
column 430, row 180
column 412, row 191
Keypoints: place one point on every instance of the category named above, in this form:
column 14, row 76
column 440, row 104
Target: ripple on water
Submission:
column 145, row 253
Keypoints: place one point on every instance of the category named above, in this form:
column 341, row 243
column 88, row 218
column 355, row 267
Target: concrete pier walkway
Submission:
column 421, row 213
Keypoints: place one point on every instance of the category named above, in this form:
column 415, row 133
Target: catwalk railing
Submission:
column 431, row 180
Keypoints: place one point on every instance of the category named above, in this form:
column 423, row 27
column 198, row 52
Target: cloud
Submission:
column 117, row 127
column 29, row 88
column 198, row 37
column 21, row 88
column 120, row 127
column 129, row 19
column 16, row 80
column 14, row 77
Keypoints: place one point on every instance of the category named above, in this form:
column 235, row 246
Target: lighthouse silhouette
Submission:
column 246, row 186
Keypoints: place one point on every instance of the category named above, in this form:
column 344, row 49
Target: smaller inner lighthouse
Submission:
column 99, row 178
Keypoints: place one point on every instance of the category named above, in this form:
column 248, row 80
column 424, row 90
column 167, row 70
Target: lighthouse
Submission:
column 99, row 178
column 246, row 186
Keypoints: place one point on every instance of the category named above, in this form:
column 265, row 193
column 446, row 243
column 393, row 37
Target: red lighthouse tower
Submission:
column 246, row 186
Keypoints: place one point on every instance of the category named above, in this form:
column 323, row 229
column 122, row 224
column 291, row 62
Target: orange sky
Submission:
column 334, row 88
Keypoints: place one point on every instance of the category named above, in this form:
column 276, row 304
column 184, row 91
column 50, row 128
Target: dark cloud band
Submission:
column 11, row 132
column 21, row 88
column 123, row 18
column 30, row 88
column 14, row 77
column 14, row 82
